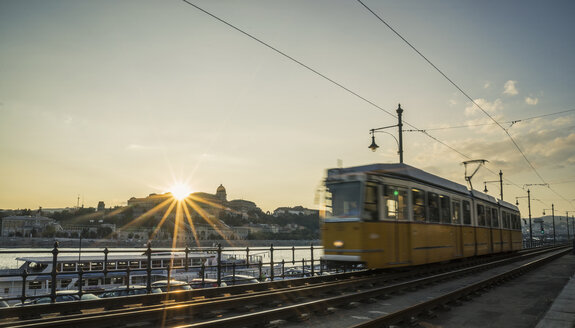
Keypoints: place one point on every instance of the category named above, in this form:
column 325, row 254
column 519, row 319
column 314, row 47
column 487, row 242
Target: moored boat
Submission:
column 99, row 272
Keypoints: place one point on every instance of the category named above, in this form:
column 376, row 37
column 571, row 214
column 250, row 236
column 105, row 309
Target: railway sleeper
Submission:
column 327, row 310
column 444, row 307
column 351, row 305
column 369, row 300
column 248, row 308
column 300, row 317
column 429, row 314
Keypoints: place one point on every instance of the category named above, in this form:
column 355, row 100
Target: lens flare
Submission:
column 180, row 191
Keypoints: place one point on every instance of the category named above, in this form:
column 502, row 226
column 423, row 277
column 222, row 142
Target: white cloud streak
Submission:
column 510, row 88
column 531, row 101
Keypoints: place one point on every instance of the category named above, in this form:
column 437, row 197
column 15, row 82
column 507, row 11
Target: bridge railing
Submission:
column 263, row 263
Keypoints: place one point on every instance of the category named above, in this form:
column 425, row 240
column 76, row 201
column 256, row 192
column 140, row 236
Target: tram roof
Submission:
column 405, row 171
column 508, row 205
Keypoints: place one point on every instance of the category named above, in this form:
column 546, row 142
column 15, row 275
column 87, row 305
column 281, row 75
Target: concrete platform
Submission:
column 519, row 303
column 562, row 311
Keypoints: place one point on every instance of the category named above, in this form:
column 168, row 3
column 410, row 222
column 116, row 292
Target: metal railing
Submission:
column 282, row 262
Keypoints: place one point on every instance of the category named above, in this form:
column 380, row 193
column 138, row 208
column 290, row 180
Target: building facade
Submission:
column 28, row 226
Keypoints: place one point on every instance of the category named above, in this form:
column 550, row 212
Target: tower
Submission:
column 221, row 193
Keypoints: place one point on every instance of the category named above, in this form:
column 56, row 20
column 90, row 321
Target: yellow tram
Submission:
column 393, row 215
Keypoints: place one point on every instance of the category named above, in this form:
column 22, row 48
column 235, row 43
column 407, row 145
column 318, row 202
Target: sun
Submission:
column 180, row 190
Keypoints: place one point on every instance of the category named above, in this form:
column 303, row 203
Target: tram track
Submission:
column 282, row 300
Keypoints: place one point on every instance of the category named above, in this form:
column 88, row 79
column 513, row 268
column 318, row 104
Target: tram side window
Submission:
column 345, row 199
column 433, row 206
column 504, row 224
column 495, row 218
column 418, row 197
column 481, row 215
column 488, row 216
column 456, row 218
column 395, row 202
column 466, row 212
column 370, row 205
column 445, row 209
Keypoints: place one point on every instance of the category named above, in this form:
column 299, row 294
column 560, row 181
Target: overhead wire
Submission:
column 485, row 124
column 282, row 53
column 456, row 86
column 506, row 131
column 340, row 85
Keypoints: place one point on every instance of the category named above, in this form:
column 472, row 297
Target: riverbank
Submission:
column 15, row 242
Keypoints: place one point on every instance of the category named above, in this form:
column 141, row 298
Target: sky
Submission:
column 113, row 99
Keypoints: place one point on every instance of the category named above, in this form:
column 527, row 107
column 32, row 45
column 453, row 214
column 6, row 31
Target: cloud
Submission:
column 490, row 107
column 486, row 85
column 135, row 147
column 531, row 101
column 510, row 89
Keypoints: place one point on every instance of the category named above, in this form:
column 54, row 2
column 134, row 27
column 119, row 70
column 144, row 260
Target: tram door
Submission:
column 396, row 208
column 456, row 220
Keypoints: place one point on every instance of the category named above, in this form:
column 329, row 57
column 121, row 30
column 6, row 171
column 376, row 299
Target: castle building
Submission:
column 221, row 193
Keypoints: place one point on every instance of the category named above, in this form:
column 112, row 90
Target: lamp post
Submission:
column 529, row 207
column 399, row 125
column 573, row 222
column 553, row 216
column 500, row 184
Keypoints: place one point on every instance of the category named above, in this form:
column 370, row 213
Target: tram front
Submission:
column 350, row 220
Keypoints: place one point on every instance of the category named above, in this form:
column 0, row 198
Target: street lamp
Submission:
column 399, row 125
column 500, row 184
column 553, row 216
column 529, row 207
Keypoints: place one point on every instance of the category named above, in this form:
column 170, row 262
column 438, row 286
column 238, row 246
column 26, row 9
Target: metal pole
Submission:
column 553, row 216
column 501, row 184
column 567, row 222
column 400, row 128
column 55, row 252
column 529, row 206
column 219, row 273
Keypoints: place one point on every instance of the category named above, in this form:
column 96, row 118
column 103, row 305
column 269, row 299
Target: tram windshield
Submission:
column 345, row 199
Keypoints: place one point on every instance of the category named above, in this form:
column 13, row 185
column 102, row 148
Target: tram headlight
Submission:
column 338, row 244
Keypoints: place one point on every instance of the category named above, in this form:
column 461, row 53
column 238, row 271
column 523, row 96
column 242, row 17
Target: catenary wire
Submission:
column 317, row 73
column 457, row 87
column 333, row 82
column 346, row 88
column 468, row 97
column 510, row 122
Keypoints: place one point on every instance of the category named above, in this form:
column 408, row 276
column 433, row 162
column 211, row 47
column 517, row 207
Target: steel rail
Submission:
column 195, row 309
column 412, row 312
column 298, row 288
column 295, row 311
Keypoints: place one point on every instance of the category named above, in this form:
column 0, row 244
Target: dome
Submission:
column 221, row 193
